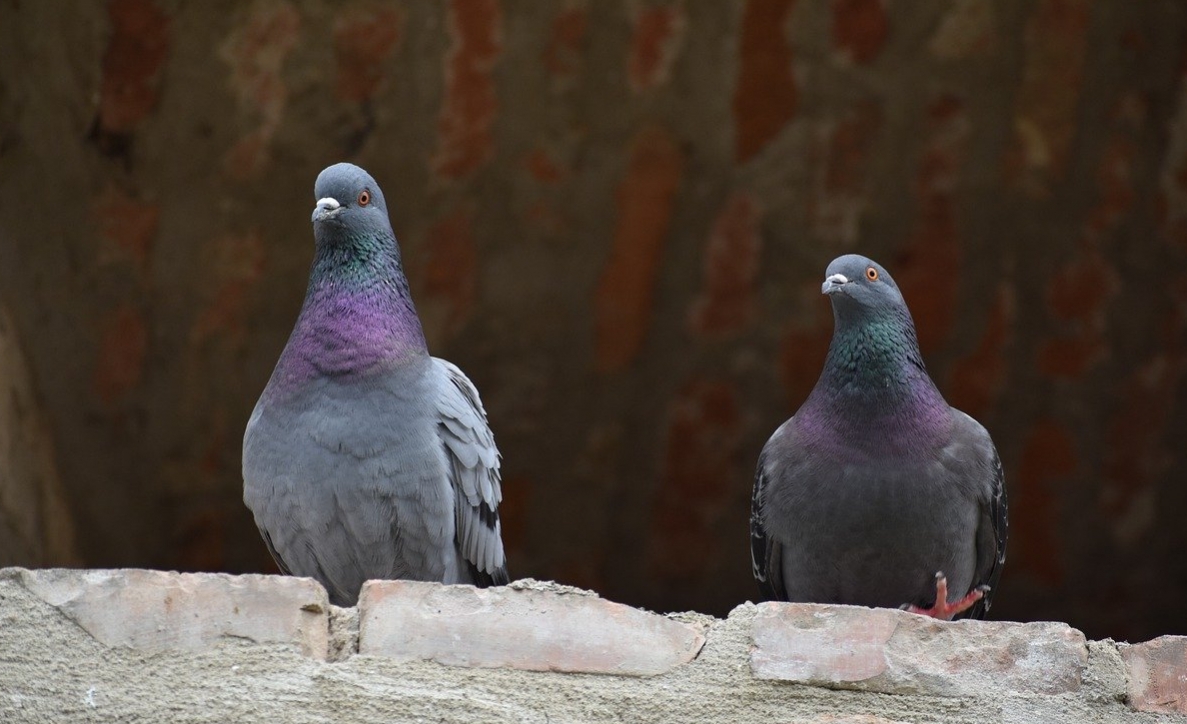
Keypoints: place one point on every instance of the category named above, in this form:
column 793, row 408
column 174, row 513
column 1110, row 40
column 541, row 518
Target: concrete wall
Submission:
column 101, row 646
column 616, row 216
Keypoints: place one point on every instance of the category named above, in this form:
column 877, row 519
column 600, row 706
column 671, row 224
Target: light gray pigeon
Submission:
column 366, row 457
column 877, row 492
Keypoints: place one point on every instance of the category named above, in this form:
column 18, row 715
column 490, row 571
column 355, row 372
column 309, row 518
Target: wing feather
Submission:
column 474, row 475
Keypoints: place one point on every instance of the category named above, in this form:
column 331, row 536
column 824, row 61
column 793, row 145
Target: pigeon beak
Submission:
column 326, row 208
column 834, row 284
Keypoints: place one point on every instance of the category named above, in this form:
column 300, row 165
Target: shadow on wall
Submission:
column 615, row 220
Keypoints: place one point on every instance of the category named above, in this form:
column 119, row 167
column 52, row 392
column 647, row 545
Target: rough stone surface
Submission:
column 52, row 669
column 895, row 652
column 1158, row 674
column 533, row 630
column 154, row 611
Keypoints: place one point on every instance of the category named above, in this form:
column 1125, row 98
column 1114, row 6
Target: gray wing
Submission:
column 473, row 467
column 766, row 551
column 990, row 493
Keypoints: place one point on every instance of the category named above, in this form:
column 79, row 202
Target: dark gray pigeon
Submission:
column 877, row 492
column 366, row 457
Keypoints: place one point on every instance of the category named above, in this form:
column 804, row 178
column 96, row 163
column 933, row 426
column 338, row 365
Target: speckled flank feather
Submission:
column 876, row 483
column 365, row 457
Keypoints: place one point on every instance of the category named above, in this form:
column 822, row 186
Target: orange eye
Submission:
column 364, row 197
column 872, row 274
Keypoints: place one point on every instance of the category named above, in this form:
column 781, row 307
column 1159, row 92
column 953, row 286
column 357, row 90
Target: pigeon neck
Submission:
column 358, row 315
column 875, row 391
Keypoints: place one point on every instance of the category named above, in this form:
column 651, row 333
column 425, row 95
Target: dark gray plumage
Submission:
column 365, row 457
column 876, row 484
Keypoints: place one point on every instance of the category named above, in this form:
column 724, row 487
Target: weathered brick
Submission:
column 529, row 629
column 256, row 51
column 127, row 227
column 447, row 284
column 766, row 94
column 364, row 40
column 860, row 28
column 894, row 652
column 465, row 124
column 123, row 345
column 624, row 295
column 728, row 301
column 1158, row 674
column 133, row 64
column 155, row 611
column 658, row 34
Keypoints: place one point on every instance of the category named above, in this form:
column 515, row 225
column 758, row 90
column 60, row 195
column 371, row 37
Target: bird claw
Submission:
column 942, row 609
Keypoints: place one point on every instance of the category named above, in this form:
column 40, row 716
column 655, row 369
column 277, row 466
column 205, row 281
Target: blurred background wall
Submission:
column 615, row 216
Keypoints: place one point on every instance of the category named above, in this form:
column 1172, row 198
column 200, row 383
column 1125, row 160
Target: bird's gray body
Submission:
column 365, row 457
column 876, row 484
column 874, row 532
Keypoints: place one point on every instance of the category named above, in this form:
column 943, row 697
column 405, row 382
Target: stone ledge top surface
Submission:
column 518, row 628
column 535, row 626
column 891, row 651
column 157, row 611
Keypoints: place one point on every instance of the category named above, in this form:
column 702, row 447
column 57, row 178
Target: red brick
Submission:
column 978, row 378
column 860, row 28
column 123, row 344
column 658, row 34
column 543, row 167
column 470, row 105
column 623, row 298
column 895, row 652
column 700, row 464
column 364, row 40
column 132, row 64
column 1048, row 459
column 448, row 281
column 127, row 226
column 155, row 611
column 766, row 94
column 729, row 299
column 1158, row 674
column 562, row 56
column 928, row 270
column 840, row 196
column 256, row 52
column 519, row 628
column 1046, row 104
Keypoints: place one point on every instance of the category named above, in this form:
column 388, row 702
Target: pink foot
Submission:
column 944, row 610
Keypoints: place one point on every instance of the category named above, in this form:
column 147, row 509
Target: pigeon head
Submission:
column 358, row 310
column 860, row 288
column 349, row 199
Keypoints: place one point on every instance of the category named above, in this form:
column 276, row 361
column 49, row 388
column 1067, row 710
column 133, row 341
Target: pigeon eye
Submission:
column 364, row 197
column 872, row 274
